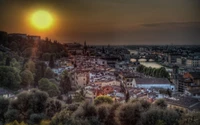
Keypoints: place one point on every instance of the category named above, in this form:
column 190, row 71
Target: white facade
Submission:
column 110, row 83
column 179, row 61
column 147, row 85
column 101, row 62
column 192, row 62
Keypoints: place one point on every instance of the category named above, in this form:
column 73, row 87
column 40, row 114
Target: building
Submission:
column 153, row 83
column 35, row 38
column 173, row 57
column 184, row 104
column 18, row 36
column 101, row 62
column 191, row 62
column 74, row 48
column 81, row 78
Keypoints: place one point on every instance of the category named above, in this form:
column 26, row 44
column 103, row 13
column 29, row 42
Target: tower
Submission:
column 85, row 48
column 175, row 77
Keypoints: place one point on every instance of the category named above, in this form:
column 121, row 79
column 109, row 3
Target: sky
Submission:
column 102, row 22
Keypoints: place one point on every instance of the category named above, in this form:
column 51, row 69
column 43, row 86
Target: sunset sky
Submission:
column 108, row 21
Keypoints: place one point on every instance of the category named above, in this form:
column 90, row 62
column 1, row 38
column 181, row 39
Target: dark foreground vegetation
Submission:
column 35, row 107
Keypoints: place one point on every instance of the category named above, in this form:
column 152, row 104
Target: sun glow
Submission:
column 41, row 19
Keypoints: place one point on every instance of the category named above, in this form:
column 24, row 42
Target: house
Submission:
column 195, row 93
column 184, row 104
column 35, row 38
column 194, row 76
column 153, row 83
column 81, row 78
column 5, row 93
column 193, row 62
column 101, row 62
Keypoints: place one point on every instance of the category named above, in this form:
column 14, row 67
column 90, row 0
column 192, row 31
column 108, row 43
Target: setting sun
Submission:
column 41, row 19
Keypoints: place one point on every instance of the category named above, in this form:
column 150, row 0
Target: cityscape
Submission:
column 88, row 74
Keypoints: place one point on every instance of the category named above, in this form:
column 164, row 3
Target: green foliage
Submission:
column 27, row 77
column 49, row 87
column 30, row 65
column 51, row 62
column 103, row 112
column 161, row 103
column 103, row 99
column 46, row 56
column 14, row 63
column 3, row 108
column 8, row 59
column 9, row 77
column 52, row 107
column 111, row 119
column 166, row 92
column 157, row 116
column 36, row 118
column 49, row 73
column 40, row 70
column 43, row 84
column 85, row 111
column 129, row 114
column 11, row 115
column 159, row 73
column 65, row 83
column 27, row 103
column 191, row 118
column 62, row 117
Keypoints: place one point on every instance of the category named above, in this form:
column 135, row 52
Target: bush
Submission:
column 129, row 114
column 103, row 99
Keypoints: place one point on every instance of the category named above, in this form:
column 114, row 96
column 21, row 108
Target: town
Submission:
column 84, row 72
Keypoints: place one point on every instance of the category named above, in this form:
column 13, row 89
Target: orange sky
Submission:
column 103, row 21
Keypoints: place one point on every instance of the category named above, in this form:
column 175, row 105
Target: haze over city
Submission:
column 115, row 22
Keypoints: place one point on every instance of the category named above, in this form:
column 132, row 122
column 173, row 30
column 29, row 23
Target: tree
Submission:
column 65, row 83
column 191, row 118
column 30, row 65
column 3, row 108
column 14, row 63
column 46, row 56
column 44, row 84
column 35, row 119
column 161, row 103
column 53, row 90
column 129, row 114
column 49, row 87
column 112, row 115
column 52, row 107
column 85, row 111
column 8, row 61
column 103, row 99
column 27, row 78
column 62, row 117
column 40, row 71
column 9, row 77
column 156, row 116
column 103, row 112
column 48, row 73
column 11, row 115
column 27, row 103
column 51, row 62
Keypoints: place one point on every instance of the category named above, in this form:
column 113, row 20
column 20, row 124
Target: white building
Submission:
column 153, row 83
column 193, row 62
column 101, row 62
